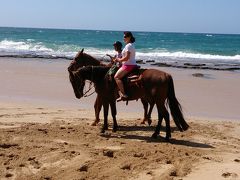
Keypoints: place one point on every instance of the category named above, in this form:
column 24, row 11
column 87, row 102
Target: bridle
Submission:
column 90, row 85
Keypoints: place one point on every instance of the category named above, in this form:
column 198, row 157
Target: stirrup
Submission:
column 123, row 97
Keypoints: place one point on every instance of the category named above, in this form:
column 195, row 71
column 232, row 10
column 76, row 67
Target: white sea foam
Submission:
column 69, row 51
column 23, row 47
column 9, row 47
column 187, row 56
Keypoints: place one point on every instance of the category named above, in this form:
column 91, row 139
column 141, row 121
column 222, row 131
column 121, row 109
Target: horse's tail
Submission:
column 175, row 107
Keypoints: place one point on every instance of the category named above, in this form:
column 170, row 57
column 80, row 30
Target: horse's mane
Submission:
column 92, row 58
column 95, row 73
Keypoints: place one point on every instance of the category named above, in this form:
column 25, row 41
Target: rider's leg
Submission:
column 118, row 78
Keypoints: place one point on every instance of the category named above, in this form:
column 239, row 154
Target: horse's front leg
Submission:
column 145, row 107
column 105, row 113
column 97, row 106
column 114, row 113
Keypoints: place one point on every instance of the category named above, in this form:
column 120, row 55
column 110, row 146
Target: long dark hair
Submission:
column 129, row 34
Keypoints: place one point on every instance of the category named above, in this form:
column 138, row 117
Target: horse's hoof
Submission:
column 143, row 122
column 167, row 139
column 154, row 136
column 95, row 123
column 102, row 131
column 149, row 122
column 115, row 129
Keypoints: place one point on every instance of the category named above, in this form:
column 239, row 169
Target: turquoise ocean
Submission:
column 186, row 50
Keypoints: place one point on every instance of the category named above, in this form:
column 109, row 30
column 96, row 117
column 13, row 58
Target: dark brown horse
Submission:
column 82, row 59
column 104, row 89
column 155, row 87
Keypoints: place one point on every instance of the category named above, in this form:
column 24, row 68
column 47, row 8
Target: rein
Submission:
column 90, row 85
column 89, row 89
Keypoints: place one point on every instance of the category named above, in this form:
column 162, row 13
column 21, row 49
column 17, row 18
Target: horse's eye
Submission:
column 74, row 62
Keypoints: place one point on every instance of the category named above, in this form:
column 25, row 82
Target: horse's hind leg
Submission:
column 158, row 127
column 162, row 112
column 167, row 122
column 97, row 107
column 114, row 113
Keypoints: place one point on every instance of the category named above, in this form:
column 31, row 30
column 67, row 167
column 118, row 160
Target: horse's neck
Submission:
column 98, row 74
column 95, row 62
column 92, row 61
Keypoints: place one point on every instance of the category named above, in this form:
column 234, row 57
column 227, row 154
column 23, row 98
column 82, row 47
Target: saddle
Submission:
column 131, row 82
column 133, row 77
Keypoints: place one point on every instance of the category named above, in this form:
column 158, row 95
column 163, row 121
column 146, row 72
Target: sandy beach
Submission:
column 46, row 133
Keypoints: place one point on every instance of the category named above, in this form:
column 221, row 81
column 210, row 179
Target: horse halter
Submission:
column 72, row 65
column 84, row 94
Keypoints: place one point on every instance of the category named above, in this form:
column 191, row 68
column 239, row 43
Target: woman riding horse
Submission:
column 82, row 59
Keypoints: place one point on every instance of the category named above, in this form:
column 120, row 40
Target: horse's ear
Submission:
column 78, row 54
column 82, row 51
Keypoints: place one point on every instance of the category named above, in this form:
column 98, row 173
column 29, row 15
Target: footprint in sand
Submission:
column 8, row 175
column 34, row 162
column 6, row 146
column 237, row 160
column 228, row 174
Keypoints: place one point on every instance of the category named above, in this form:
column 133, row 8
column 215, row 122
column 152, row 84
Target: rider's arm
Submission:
column 125, row 58
column 109, row 56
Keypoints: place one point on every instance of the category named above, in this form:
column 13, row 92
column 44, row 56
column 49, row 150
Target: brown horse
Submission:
column 82, row 59
column 155, row 87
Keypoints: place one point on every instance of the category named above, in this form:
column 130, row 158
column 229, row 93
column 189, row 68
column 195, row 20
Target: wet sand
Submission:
column 45, row 133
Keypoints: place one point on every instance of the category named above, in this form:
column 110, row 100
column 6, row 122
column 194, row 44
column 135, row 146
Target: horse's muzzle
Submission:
column 78, row 95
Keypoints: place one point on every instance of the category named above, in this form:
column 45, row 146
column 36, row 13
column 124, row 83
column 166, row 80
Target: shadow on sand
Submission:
column 144, row 128
column 125, row 129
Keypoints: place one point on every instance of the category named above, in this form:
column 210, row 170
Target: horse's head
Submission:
column 77, row 62
column 77, row 82
column 82, row 59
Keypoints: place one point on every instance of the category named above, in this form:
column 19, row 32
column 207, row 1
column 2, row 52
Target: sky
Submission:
column 194, row 16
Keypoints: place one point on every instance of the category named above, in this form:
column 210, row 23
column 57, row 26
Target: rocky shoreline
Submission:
column 221, row 67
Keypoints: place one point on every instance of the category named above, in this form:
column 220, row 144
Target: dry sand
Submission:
column 45, row 133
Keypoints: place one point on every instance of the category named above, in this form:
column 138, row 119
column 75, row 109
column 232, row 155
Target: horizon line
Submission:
column 54, row 28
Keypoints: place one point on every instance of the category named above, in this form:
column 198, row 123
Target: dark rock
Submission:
column 83, row 168
column 162, row 64
column 227, row 174
column 198, row 75
column 138, row 155
column 191, row 64
column 173, row 173
column 126, row 167
column 139, row 61
column 8, row 175
column 108, row 153
column 149, row 61
column 5, row 146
